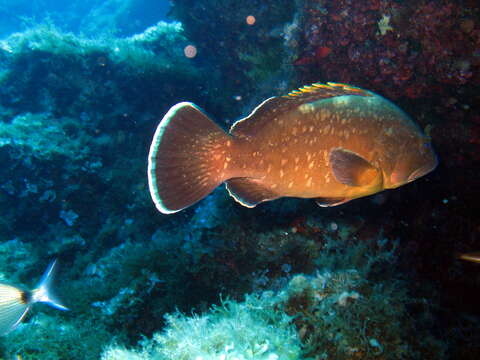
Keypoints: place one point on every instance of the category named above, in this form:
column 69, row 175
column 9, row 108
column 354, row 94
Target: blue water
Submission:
column 83, row 87
column 91, row 16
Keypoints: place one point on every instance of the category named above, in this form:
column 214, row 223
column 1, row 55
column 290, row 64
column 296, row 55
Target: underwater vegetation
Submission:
column 341, row 314
column 80, row 72
column 376, row 278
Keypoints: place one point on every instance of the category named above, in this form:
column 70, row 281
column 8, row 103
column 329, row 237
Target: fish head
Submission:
column 415, row 160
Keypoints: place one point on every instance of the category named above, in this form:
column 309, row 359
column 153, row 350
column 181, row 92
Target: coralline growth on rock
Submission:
column 397, row 48
column 339, row 313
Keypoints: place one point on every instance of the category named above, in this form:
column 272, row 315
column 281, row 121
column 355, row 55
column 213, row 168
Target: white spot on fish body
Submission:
column 309, row 182
column 306, row 108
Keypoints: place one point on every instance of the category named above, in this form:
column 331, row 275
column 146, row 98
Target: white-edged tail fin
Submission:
column 42, row 293
column 188, row 158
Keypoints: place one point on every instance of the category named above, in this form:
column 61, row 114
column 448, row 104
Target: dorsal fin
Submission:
column 322, row 91
column 269, row 109
column 261, row 115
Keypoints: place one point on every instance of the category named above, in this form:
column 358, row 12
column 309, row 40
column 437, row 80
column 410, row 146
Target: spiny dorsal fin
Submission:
column 322, row 91
column 276, row 106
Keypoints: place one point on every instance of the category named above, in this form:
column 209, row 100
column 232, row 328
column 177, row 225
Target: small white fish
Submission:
column 15, row 302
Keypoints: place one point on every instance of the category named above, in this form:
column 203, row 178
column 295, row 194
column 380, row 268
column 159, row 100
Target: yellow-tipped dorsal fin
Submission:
column 327, row 90
column 268, row 109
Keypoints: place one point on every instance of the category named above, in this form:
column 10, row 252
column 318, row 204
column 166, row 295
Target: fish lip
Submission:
column 424, row 170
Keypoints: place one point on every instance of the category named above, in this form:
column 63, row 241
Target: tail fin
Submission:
column 42, row 292
column 187, row 158
column 14, row 305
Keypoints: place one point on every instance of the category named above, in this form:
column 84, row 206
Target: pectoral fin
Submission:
column 351, row 169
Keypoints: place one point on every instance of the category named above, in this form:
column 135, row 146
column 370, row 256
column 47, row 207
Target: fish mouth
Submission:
column 424, row 170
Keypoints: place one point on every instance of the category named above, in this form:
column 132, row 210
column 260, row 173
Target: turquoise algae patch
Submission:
column 42, row 137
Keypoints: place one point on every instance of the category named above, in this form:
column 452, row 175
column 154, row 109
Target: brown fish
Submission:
column 330, row 142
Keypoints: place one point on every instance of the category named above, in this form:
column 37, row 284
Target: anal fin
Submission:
column 249, row 191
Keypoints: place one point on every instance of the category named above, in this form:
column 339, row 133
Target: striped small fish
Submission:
column 15, row 302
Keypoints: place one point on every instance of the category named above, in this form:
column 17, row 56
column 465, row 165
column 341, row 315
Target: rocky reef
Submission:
column 342, row 313
column 417, row 51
